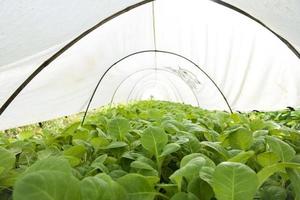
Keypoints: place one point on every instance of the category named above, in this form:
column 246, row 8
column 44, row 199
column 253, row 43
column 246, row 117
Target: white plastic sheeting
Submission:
column 282, row 16
column 252, row 67
column 31, row 26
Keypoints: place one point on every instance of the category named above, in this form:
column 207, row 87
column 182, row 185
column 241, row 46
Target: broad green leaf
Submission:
column 154, row 114
column 146, row 160
column 47, row 185
column 188, row 158
column 267, row 158
column 258, row 145
column 1, row 170
column 137, row 168
column 170, row 128
column 81, row 134
column 114, row 190
column 101, row 121
column 242, row 157
column 266, row 172
column 211, row 135
column 189, row 171
column 200, row 189
column 282, row 149
column 234, row 152
column 257, row 124
column 115, row 145
column 115, row 174
column 234, row 181
column 193, row 144
column 240, row 139
column 51, row 164
column 195, row 129
column 99, row 142
column 73, row 161
column 137, row 187
column 118, row 128
column 206, row 173
column 170, row 148
column 141, row 165
column 98, row 163
column 70, row 130
column 217, row 148
column 153, row 180
column 75, row 151
column 154, row 140
column 260, row 133
column 184, row 196
column 7, row 160
column 25, row 135
column 92, row 188
column 51, row 151
column 191, row 156
column 294, row 176
column 270, row 125
column 236, row 117
column 100, row 159
column 9, row 179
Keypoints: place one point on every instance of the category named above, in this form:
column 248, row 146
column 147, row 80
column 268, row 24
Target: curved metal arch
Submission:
column 138, row 81
column 155, row 72
column 85, row 33
column 174, row 86
column 142, row 70
column 65, row 48
column 137, row 94
column 153, row 51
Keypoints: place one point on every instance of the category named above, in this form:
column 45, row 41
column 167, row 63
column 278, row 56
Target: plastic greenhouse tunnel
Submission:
column 150, row 100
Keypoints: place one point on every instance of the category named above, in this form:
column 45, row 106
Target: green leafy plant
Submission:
column 154, row 150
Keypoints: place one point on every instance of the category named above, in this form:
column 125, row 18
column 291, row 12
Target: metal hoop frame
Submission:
column 127, row 9
column 152, row 51
column 142, row 70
